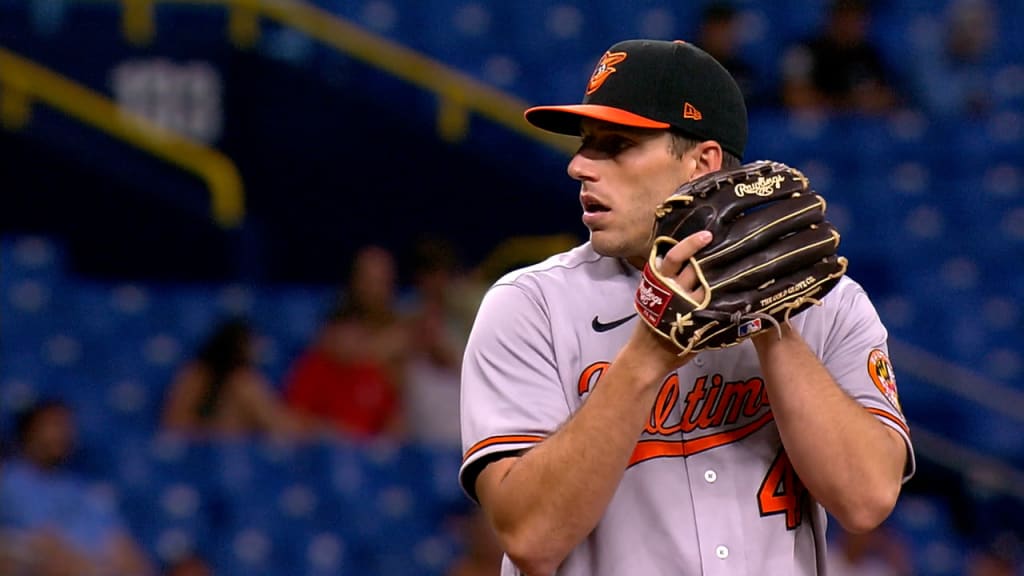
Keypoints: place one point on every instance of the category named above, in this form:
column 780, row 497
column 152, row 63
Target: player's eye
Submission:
column 606, row 145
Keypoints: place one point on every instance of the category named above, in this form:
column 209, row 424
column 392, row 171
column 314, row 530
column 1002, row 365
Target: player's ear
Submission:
column 707, row 158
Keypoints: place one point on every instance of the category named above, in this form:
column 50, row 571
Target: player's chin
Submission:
column 608, row 243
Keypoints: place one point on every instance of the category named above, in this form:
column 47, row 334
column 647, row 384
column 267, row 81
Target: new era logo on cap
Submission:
column 660, row 85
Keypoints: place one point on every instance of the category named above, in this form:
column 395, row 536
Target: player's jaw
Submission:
column 614, row 231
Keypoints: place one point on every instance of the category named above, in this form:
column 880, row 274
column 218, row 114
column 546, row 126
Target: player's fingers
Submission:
column 698, row 295
column 677, row 256
column 687, row 278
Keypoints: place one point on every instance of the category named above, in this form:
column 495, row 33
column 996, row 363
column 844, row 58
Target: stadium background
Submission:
column 164, row 163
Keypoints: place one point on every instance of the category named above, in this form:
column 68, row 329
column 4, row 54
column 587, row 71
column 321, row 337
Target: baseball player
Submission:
column 592, row 446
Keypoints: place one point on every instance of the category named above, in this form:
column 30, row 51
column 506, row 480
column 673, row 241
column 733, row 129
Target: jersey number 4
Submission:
column 782, row 492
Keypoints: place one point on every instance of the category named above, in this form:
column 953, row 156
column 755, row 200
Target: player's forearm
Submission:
column 848, row 460
column 554, row 495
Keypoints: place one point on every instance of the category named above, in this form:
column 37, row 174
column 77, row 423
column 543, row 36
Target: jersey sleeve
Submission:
column 511, row 396
column 856, row 353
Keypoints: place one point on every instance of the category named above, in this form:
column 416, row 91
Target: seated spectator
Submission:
column 350, row 378
column 189, row 565
column 439, row 331
column 481, row 553
column 953, row 72
column 1001, row 555
column 839, row 69
column 222, row 391
column 51, row 523
column 717, row 34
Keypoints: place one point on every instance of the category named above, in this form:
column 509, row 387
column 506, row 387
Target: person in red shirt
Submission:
column 350, row 378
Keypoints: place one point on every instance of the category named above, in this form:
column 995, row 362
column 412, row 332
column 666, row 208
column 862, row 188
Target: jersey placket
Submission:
column 716, row 515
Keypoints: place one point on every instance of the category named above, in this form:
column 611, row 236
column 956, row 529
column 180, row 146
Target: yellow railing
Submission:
column 23, row 82
column 521, row 250
column 459, row 94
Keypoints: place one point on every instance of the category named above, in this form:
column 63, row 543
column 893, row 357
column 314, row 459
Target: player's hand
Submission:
column 675, row 266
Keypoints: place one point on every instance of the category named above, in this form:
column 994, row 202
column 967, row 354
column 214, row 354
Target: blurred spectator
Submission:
column 189, row 565
column 953, row 70
column 439, row 333
column 880, row 552
column 1001, row 556
column 51, row 522
column 718, row 35
column 350, row 378
column 838, row 69
column 481, row 554
column 222, row 391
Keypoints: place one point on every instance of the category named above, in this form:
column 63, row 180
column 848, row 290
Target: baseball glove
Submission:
column 772, row 256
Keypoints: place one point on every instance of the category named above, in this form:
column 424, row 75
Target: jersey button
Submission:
column 710, row 476
column 698, row 361
column 722, row 552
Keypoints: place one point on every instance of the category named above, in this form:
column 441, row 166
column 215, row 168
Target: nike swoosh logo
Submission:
column 599, row 326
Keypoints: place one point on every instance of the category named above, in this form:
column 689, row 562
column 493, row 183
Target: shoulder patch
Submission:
column 882, row 374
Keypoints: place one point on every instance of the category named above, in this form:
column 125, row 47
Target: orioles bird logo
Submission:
column 881, row 372
column 604, row 69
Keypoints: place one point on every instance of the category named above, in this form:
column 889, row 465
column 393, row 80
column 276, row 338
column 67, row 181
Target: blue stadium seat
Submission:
column 150, row 362
column 389, row 18
column 313, row 505
column 939, row 555
column 248, row 551
column 996, row 434
column 991, row 205
column 927, row 523
column 163, row 482
column 985, row 145
column 557, row 43
column 266, row 484
column 31, row 257
column 656, row 19
column 191, row 313
column 389, row 502
column 925, row 404
column 1010, row 19
column 940, row 285
column 461, row 33
column 109, row 312
column 30, row 309
column 879, row 144
column 325, row 552
column 809, row 142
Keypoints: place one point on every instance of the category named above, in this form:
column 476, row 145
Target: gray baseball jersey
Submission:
column 709, row 489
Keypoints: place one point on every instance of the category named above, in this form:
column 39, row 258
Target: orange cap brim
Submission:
column 566, row 119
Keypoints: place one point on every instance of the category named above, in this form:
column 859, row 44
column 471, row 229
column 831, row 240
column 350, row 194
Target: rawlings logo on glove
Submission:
column 763, row 186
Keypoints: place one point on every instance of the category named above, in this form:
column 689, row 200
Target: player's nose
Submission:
column 581, row 168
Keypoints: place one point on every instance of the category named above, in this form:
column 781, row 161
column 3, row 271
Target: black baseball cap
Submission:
column 657, row 84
